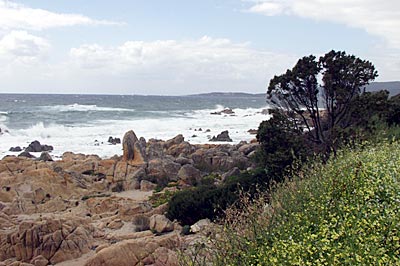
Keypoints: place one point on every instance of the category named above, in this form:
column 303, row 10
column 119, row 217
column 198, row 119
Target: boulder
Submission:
column 35, row 146
column 181, row 149
column 252, row 131
column 223, row 136
column 133, row 151
column 189, row 174
column 128, row 143
column 114, row 141
column 183, row 160
column 155, row 149
column 15, row 149
column 246, row 149
column 143, row 251
column 160, row 224
column 45, row 157
column 201, row 225
column 141, row 223
column 233, row 172
column 226, row 111
column 163, row 170
column 26, row 154
column 174, row 141
column 39, row 261
column 54, row 239
column 116, row 224
column 147, row 185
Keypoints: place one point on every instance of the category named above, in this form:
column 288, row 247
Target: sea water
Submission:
column 83, row 123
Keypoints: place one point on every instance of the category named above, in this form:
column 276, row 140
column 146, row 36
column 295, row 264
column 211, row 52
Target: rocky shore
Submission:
column 84, row 210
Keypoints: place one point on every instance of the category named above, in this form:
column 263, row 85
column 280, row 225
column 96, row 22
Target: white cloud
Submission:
column 380, row 18
column 22, row 45
column 158, row 67
column 194, row 63
column 17, row 16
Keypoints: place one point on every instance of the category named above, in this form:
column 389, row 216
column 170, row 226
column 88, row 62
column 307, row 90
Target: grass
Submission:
column 160, row 198
column 344, row 212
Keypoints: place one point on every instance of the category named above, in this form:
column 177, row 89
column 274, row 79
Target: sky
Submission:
column 176, row 47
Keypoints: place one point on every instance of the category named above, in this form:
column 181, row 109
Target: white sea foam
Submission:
column 83, row 108
column 92, row 138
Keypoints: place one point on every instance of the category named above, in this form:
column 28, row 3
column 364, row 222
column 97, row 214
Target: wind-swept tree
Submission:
column 299, row 92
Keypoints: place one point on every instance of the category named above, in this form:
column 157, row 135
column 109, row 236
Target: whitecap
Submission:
column 83, row 108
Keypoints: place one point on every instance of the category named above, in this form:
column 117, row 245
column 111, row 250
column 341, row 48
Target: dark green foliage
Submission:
column 393, row 117
column 281, row 142
column 210, row 201
column 298, row 92
column 343, row 78
column 185, row 230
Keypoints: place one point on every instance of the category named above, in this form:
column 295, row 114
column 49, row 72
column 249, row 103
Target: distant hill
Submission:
column 393, row 87
column 228, row 94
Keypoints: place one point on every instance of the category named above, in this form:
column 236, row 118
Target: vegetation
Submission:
column 344, row 212
column 299, row 95
column 338, row 210
column 161, row 198
column 209, row 201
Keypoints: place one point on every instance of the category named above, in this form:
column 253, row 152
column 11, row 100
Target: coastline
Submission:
column 99, row 203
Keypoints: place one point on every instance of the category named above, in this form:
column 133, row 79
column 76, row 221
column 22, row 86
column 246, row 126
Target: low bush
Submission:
column 209, row 201
column 344, row 212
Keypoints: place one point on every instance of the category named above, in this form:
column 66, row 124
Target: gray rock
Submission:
column 45, row 156
column 147, row 185
column 133, row 150
column 233, row 172
column 35, row 146
column 163, row 170
column 201, row 225
column 160, row 224
column 174, row 141
column 223, row 136
column 15, row 149
column 189, row 174
column 246, row 149
column 26, row 154
column 128, row 143
column 114, row 141
column 183, row 160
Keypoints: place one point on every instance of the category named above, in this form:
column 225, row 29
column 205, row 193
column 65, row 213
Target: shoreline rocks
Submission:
column 223, row 136
column 83, row 203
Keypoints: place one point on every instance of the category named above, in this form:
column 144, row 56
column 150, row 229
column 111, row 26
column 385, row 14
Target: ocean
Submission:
column 83, row 123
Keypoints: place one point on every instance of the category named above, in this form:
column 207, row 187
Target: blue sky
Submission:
column 182, row 47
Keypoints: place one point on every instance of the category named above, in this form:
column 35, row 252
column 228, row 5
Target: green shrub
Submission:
column 345, row 212
column 209, row 201
column 185, row 230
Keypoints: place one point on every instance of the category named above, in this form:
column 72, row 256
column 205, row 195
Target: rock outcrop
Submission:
column 145, row 251
column 54, row 240
column 223, row 136
column 55, row 211
column 133, row 151
column 35, row 146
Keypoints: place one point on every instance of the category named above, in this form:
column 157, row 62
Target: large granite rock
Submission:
column 133, row 151
column 35, row 146
column 223, row 136
column 160, row 224
column 144, row 251
column 163, row 170
column 189, row 174
column 55, row 240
